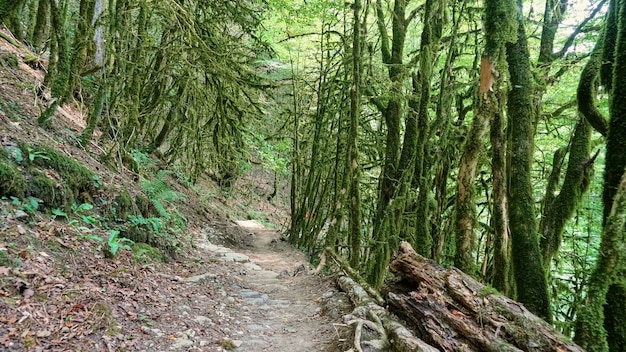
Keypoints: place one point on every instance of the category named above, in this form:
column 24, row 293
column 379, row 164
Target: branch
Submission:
column 579, row 29
column 293, row 36
column 384, row 37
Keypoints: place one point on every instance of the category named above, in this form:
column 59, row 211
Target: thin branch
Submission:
column 579, row 29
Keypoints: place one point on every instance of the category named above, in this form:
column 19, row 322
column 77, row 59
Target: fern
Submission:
column 162, row 196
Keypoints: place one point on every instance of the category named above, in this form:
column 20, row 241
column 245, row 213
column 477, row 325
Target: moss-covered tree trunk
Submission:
column 606, row 285
column 80, row 47
column 530, row 280
column 40, row 27
column 500, row 28
column 8, row 6
column 431, row 36
column 59, row 63
column 577, row 179
column 600, row 325
column 392, row 53
column 353, row 153
column 501, row 272
column 615, row 163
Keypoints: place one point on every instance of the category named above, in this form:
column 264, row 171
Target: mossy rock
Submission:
column 141, row 233
column 12, row 181
column 77, row 177
column 53, row 194
column 122, row 206
column 148, row 251
column 145, row 206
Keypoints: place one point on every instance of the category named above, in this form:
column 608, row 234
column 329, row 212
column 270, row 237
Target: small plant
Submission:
column 115, row 243
column 96, row 181
column 58, row 212
column 34, row 154
column 15, row 153
column 30, row 205
column 87, row 219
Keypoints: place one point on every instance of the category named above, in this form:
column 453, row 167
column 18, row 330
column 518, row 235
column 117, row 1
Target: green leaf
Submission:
column 58, row 212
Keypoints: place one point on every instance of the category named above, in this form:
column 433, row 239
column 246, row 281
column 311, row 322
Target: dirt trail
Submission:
column 277, row 302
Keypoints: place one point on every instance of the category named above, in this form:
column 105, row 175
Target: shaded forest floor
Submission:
column 60, row 292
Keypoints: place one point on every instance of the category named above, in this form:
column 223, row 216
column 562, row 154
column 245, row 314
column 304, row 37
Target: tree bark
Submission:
column 353, row 152
column 531, row 285
column 453, row 312
column 7, row 6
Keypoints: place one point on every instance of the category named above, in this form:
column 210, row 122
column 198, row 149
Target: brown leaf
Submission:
column 28, row 293
column 43, row 333
column 23, row 253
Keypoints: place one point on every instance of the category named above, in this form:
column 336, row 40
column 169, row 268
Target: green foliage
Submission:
column 14, row 153
column 29, row 205
column 115, row 243
column 161, row 196
column 13, row 109
column 272, row 156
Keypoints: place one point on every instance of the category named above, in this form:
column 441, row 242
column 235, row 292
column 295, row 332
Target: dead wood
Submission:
column 374, row 329
column 453, row 312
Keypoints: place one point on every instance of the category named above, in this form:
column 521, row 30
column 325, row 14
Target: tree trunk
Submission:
column 353, row 153
column 40, row 28
column 577, row 179
column 453, row 312
column 531, row 286
column 7, row 6
column 501, row 271
column 593, row 316
column 500, row 26
column 82, row 37
column 393, row 57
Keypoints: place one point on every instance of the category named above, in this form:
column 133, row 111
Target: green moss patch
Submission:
column 123, row 206
column 78, row 178
column 12, row 181
column 52, row 193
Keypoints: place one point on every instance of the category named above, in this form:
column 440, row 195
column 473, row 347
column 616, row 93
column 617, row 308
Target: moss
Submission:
column 137, row 233
column 145, row 206
column 78, row 178
column 12, row 181
column 226, row 344
column 488, row 290
column 501, row 23
column 123, row 206
column 144, row 249
column 53, row 194
column 9, row 59
column 105, row 319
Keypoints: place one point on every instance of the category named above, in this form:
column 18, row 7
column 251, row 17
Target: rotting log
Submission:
column 450, row 310
column 374, row 329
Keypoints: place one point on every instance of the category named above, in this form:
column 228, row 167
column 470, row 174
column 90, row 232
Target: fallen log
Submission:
column 374, row 329
column 451, row 311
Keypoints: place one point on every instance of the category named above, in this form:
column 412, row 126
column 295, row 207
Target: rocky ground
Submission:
column 264, row 298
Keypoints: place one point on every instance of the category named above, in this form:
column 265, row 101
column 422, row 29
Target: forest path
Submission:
column 276, row 301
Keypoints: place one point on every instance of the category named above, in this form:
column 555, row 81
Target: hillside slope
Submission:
column 95, row 257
